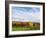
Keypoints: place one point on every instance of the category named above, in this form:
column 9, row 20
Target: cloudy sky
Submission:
column 26, row 14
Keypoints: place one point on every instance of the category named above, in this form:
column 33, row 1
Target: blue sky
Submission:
column 26, row 14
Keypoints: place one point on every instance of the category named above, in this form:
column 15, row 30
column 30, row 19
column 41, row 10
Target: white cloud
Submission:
column 34, row 17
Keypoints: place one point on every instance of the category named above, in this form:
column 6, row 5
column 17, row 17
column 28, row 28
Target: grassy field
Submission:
column 25, row 28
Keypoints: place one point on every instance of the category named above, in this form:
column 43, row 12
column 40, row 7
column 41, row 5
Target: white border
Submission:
column 25, row 32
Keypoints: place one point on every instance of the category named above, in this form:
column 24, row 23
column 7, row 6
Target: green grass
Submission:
column 25, row 28
column 20, row 28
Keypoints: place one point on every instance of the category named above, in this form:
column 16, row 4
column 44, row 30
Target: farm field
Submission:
column 21, row 26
